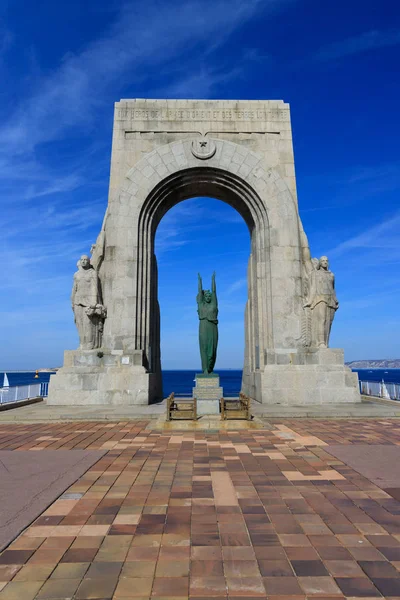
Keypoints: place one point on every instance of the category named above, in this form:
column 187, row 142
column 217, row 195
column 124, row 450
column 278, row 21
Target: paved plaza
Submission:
column 253, row 513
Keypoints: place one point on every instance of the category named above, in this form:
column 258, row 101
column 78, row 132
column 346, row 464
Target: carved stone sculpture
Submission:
column 207, row 307
column 321, row 300
column 86, row 300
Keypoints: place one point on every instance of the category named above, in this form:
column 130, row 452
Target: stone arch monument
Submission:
column 240, row 152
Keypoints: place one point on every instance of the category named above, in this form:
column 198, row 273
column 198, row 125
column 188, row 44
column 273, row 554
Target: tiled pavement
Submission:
column 226, row 514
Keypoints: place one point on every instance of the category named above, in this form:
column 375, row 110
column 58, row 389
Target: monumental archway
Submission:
column 240, row 153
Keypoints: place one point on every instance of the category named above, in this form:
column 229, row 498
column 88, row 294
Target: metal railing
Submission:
column 380, row 389
column 23, row 392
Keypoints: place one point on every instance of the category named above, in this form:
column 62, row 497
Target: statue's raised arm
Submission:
column 199, row 288
column 214, row 289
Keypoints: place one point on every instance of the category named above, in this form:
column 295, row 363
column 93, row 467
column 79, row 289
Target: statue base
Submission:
column 313, row 376
column 208, row 394
column 104, row 377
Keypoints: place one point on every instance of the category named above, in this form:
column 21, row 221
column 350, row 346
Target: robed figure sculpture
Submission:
column 86, row 300
column 207, row 307
column 321, row 300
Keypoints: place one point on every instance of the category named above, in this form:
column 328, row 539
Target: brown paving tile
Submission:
column 87, row 542
column 238, row 553
column 15, row 557
column 60, row 543
column 100, row 587
column 34, row 573
column 152, row 540
column 269, row 553
column 7, row 572
column 360, row 587
column 170, row 586
column 174, row 553
column 319, row 541
column 353, row 540
column 75, row 555
column 206, row 568
column 26, row 543
column 386, row 541
column 282, row 586
column 241, row 568
column 173, row 568
column 319, row 585
column 49, row 520
column 19, row 590
column 206, row 553
column 388, row 586
column 378, row 569
column 292, row 540
column 366, row 554
column 391, row 553
column 275, row 568
column 301, row 553
column 140, row 553
column 100, row 520
column 46, row 556
column 70, row 571
column 139, row 568
column 345, row 568
column 309, row 568
column 104, row 569
column 58, row 589
column 335, row 553
column 245, row 587
column 240, row 539
column 207, row 587
column 94, row 530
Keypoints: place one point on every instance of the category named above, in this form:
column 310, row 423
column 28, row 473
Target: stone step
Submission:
column 332, row 411
column 42, row 413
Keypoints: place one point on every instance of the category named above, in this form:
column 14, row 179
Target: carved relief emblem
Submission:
column 203, row 148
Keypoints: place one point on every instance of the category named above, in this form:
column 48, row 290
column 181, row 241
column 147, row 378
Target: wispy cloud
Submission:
column 384, row 235
column 239, row 284
column 142, row 37
column 179, row 225
column 57, row 186
column 369, row 40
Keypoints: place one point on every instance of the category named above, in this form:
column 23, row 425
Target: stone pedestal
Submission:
column 308, row 377
column 103, row 377
column 208, row 394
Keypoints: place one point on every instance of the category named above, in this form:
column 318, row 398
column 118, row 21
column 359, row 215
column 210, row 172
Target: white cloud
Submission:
column 383, row 235
column 144, row 36
column 239, row 284
column 360, row 43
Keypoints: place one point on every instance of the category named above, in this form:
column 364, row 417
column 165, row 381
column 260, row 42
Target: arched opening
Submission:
column 231, row 189
column 201, row 235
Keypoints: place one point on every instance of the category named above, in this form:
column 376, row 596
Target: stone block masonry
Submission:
column 163, row 152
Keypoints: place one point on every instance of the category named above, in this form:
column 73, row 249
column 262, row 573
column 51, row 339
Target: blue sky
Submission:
column 63, row 65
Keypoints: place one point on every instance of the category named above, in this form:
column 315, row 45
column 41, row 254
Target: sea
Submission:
column 182, row 382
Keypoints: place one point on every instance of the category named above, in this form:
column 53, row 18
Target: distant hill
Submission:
column 382, row 363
